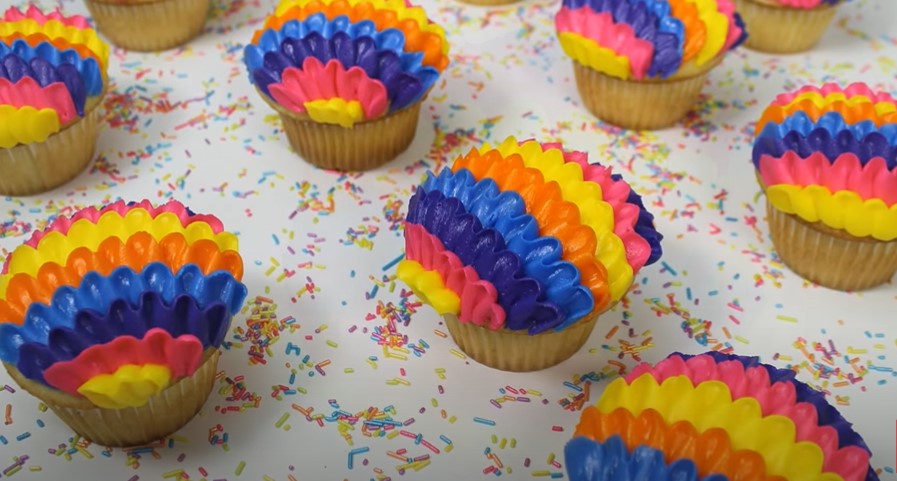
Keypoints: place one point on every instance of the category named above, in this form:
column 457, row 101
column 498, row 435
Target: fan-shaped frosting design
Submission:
column 137, row 252
column 26, row 124
column 614, row 48
column 588, row 460
column 477, row 299
column 181, row 355
column 833, row 123
column 711, row 451
column 839, row 210
column 181, row 317
column 522, row 298
column 88, row 69
column 98, row 292
column 56, row 29
column 820, row 140
column 56, row 247
column 506, row 213
column 51, row 86
column 130, row 385
column 62, row 224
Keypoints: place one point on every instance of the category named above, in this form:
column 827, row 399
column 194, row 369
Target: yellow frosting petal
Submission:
column 128, row 386
column 335, row 111
column 820, row 101
column 595, row 213
column 429, row 287
column 710, row 405
column 56, row 247
column 26, row 125
column 842, row 210
column 56, row 29
column 418, row 14
column 717, row 30
column 587, row 52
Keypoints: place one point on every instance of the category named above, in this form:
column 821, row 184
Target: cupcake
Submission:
column 715, row 417
column 826, row 158
column 52, row 81
column 113, row 317
column 489, row 3
column 149, row 25
column 641, row 64
column 521, row 247
column 786, row 26
column 347, row 78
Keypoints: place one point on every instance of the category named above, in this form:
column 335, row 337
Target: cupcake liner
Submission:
column 830, row 257
column 161, row 416
column 149, row 25
column 34, row 168
column 639, row 105
column 365, row 146
column 517, row 351
column 777, row 29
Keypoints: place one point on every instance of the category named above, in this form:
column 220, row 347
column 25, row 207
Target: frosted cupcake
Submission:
column 149, row 25
column 521, row 247
column 825, row 157
column 52, row 82
column 715, row 417
column 490, row 3
column 347, row 78
column 641, row 64
column 786, row 26
column 113, row 317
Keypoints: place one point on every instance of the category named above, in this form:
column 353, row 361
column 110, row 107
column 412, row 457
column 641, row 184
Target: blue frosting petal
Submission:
column 589, row 460
column 872, row 145
column 644, row 226
column 521, row 297
column 833, row 122
column 88, row 69
column 183, row 316
column 506, row 213
column 98, row 292
column 827, row 414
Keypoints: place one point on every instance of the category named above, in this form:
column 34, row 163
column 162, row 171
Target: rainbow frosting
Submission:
column 116, row 304
column 648, row 39
column 346, row 61
column 715, row 416
column 525, row 236
column 828, row 154
column 51, row 67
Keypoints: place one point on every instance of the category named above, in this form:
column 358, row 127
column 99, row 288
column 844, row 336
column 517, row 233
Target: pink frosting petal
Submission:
column 182, row 355
column 852, row 90
column 600, row 27
column 27, row 92
column 13, row 14
column 479, row 298
column 727, row 7
column 870, row 181
column 315, row 81
column 780, row 398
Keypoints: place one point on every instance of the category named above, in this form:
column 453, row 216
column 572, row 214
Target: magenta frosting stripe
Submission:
column 13, row 14
column 62, row 224
column 846, row 172
column 28, row 92
column 851, row 90
column 620, row 38
column 479, row 298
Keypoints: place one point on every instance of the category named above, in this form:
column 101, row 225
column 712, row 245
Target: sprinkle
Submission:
column 487, row 422
column 283, row 419
column 458, row 354
column 240, row 468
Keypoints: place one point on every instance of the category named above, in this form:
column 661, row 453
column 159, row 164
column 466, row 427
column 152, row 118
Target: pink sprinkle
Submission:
column 203, row 472
column 495, row 403
column 511, row 390
column 526, row 463
column 430, row 447
column 557, row 429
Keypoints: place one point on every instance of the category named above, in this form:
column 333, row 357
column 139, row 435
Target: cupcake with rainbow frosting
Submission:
column 347, row 77
column 641, row 64
column 826, row 158
column 715, row 417
column 149, row 25
column 52, row 81
column 786, row 26
column 113, row 317
column 521, row 247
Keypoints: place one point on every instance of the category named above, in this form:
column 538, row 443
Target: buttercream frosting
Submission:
column 26, row 125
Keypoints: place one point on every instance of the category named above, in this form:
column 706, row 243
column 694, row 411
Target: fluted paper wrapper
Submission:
column 638, row 105
column 149, row 25
column 29, row 169
column 829, row 257
column 164, row 414
column 778, row 29
column 517, row 351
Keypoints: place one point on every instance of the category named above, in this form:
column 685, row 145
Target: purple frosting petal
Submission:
column 872, row 145
column 521, row 297
column 14, row 68
column 44, row 72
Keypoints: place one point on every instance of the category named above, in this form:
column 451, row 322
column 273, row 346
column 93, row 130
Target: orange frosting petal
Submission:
column 139, row 250
column 556, row 217
column 695, row 30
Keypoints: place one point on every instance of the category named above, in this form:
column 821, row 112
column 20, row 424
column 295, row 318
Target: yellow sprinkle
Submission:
column 513, row 443
column 349, row 370
column 851, row 350
column 449, row 448
column 785, row 318
column 458, row 354
column 453, row 419
column 240, row 468
column 35, row 468
column 434, row 402
column 173, row 473
column 267, row 478
column 391, row 382
column 42, row 407
column 392, row 434
column 283, row 419
column 503, row 443
column 372, row 363
column 494, row 439
column 550, row 458
column 332, row 344
column 741, row 340
column 785, row 358
column 533, row 392
column 540, row 474
column 322, row 327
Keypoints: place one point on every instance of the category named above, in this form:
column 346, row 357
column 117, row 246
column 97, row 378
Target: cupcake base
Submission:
column 639, row 105
column 831, row 257
column 164, row 414
column 778, row 29
column 149, row 25
column 517, row 351
column 30, row 169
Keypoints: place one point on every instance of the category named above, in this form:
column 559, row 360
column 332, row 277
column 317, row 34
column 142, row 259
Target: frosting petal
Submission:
column 26, row 125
